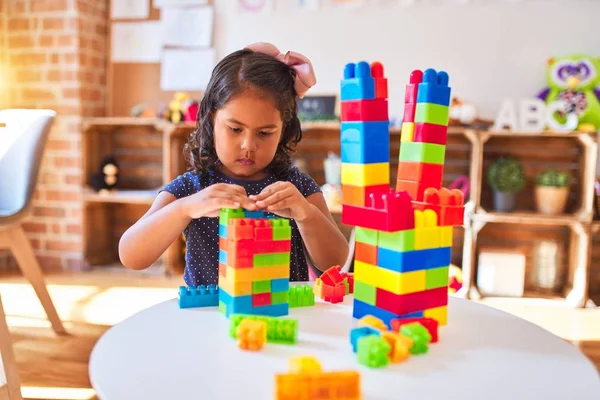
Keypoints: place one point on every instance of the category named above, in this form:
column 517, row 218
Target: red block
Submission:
column 263, row 230
column 261, row 299
column 449, row 205
column 430, row 133
column 392, row 211
column 351, row 282
column 400, row 304
column 272, row 246
column 381, row 86
column 409, row 112
column 429, row 323
column 410, row 95
column 420, row 171
column 241, row 228
column 332, row 276
column 365, row 110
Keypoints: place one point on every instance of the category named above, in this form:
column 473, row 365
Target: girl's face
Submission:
column 247, row 131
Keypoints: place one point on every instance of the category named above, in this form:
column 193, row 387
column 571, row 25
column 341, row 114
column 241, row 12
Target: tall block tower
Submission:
column 254, row 263
column 403, row 236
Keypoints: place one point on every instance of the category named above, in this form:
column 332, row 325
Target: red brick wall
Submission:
column 56, row 52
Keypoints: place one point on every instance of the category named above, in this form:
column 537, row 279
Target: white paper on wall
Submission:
column 186, row 69
column 139, row 42
column 187, row 26
column 129, row 9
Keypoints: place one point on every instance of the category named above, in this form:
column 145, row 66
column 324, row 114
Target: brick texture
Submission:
column 55, row 54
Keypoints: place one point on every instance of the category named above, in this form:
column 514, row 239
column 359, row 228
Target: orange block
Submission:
column 359, row 195
column 366, row 253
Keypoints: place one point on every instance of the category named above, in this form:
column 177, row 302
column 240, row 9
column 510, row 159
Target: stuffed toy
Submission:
column 107, row 178
column 575, row 79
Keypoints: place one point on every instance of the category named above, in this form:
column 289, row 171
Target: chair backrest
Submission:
column 22, row 143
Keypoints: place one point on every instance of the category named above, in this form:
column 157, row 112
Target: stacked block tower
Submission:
column 403, row 236
column 254, row 263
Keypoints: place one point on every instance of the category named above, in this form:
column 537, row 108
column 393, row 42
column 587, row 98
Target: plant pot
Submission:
column 505, row 201
column 551, row 200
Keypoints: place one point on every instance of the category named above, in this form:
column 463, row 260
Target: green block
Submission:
column 223, row 308
column 365, row 235
column 432, row 113
column 419, row 335
column 281, row 228
column 398, row 241
column 301, row 296
column 422, row 152
column 365, row 293
column 279, row 298
column 271, row 260
column 227, row 213
column 279, row 330
column 261, row 287
column 436, row 277
column 373, row 351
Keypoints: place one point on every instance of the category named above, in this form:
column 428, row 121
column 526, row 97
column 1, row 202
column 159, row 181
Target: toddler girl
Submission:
column 240, row 156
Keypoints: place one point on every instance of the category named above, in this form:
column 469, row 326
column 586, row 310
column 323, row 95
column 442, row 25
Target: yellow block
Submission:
column 235, row 288
column 440, row 314
column 408, row 132
column 256, row 274
column 392, row 281
column 427, row 234
column 446, row 236
column 366, row 174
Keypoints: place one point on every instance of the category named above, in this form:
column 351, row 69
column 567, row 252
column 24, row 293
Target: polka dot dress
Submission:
column 202, row 234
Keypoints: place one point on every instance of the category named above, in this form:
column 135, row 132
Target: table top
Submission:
column 165, row 352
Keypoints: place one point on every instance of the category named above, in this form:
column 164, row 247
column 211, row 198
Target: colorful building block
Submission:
column 359, row 196
column 251, row 335
column 429, row 323
column 434, row 88
column 301, row 296
column 366, row 174
column 381, row 85
column 358, row 82
column 431, row 113
column 407, row 132
column 365, row 110
column 430, row 133
column 198, row 296
column 422, row 152
column 373, row 351
column 279, row 330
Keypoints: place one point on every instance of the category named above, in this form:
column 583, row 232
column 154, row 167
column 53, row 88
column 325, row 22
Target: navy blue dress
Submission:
column 202, row 234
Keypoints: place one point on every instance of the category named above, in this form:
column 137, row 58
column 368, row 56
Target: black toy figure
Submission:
column 107, row 178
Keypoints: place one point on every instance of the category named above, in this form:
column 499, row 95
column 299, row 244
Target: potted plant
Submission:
column 507, row 179
column 552, row 191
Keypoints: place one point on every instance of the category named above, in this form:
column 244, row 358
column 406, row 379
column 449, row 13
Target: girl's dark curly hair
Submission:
column 238, row 72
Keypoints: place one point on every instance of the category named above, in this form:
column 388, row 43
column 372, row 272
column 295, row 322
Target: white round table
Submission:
column 165, row 352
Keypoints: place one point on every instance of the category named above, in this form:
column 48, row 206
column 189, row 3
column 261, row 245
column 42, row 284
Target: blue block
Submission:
column 280, row 285
column 198, row 296
column 254, row 214
column 361, row 309
column 368, row 153
column 223, row 231
column 359, row 332
column 243, row 305
column 277, row 310
column 358, row 83
column 222, row 256
column 434, row 88
column 365, row 132
column 413, row 260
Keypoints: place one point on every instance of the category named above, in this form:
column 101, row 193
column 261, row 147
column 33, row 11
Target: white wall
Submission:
column 490, row 48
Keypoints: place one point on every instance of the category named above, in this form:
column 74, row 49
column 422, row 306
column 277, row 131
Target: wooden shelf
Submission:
column 120, row 196
column 524, row 217
column 493, row 133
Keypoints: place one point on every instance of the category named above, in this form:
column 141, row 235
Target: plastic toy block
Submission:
column 413, row 188
column 358, row 82
column 261, row 287
column 410, row 111
column 227, row 213
column 410, row 93
column 280, row 285
column 254, row 214
column 198, row 296
column 360, row 332
column 274, row 310
column 281, row 228
column 446, row 236
column 430, row 133
column 365, row 132
column 235, row 288
column 407, row 132
column 301, row 296
column 263, row 231
column 448, row 204
column 400, row 346
column 272, row 246
column 366, row 253
column 338, row 385
column 421, row 172
column 366, row 174
column 365, row 153
column 251, row 335
column 332, row 294
column 437, row 277
column 222, row 256
column 394, row 282
column 332, row 276
column 440, row 314
column 302, row 364
column 349, row 282
column 381, row 85
column 427, row 232
column 364, row 110
column 241, row 228
column 271, row 260
column 222, row 231
column 400, row 241
column 422, row 152
column 365, row 292
column 419, row 335
column 279, row 330
column 373, row 322
column 372, row 351
column 280, row 298
column 388, row 212
column 406, row 304
column 359, row 195
column 360, row 309
column 431, row 113
column 261, row 299
column 403, row 261
column 429, row 323
column 255, row 274
column 434, row 88
column 365, row 235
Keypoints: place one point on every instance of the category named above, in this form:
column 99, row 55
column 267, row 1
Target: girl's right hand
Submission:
column 209, row 201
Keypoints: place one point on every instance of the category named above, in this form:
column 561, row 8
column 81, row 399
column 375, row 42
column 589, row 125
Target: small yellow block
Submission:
column 373, row 322
column 446, row 236
column 304, row 364
column 235, row 288
column 400, row 345
column 440, row 314
column 256, row 274
column 408, row 132
column 392, row 281
column 366, row 174
column 427, row 234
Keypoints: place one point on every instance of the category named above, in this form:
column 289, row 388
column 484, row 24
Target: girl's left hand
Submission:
column 283, row 199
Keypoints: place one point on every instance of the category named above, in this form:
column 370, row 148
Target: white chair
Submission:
column 22, row 143
column 10, row 387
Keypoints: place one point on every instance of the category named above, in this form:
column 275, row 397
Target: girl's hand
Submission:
column 283, row 199
column 209, row 201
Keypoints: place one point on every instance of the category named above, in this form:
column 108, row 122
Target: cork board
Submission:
column 132, row 84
